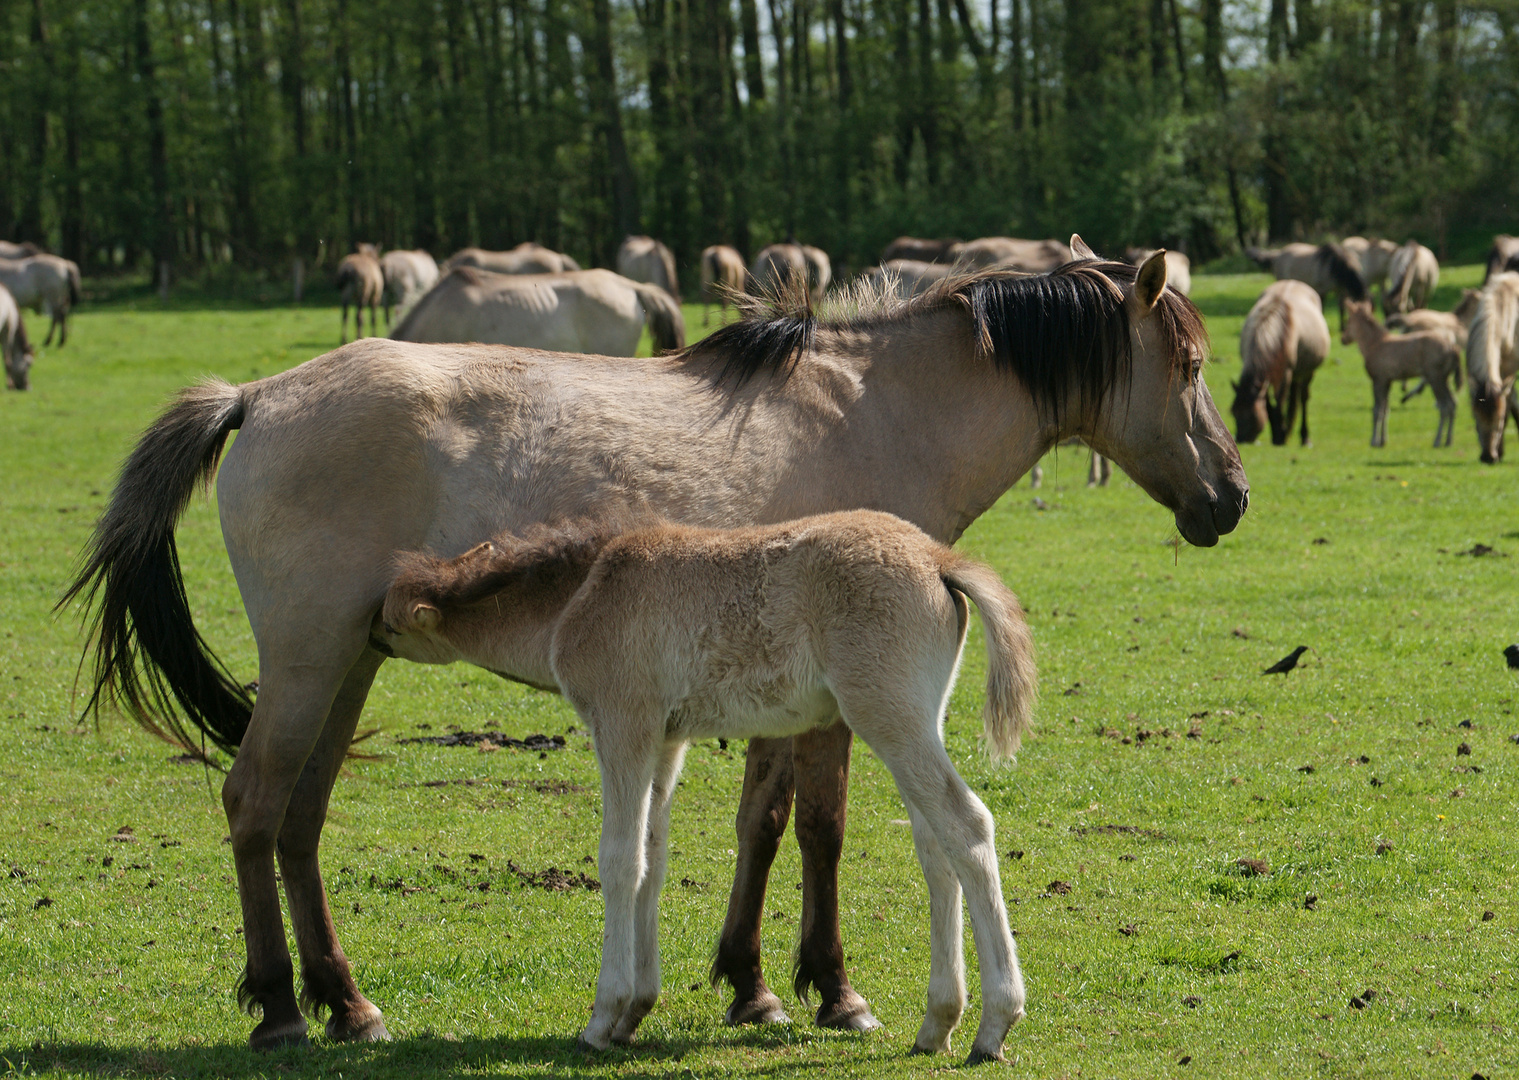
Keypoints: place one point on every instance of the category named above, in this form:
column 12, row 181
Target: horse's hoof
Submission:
column 981, row 1057
column 764, row 1008
column 585, row 1046
column 922, row 1051
column 372, row 1030
column 267, row 1036
column 847, row 1016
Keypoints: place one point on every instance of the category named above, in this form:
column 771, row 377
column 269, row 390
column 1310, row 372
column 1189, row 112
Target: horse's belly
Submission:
column 769, row 713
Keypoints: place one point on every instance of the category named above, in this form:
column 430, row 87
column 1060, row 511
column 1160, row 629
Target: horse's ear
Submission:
column 425, row 616
column 1151, row 282
column 1079, row 248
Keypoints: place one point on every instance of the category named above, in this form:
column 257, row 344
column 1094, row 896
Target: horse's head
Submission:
column 1249, row 410
column 17, row 366
column 1353, row 312
column 1160, row 424
column 1490, row 411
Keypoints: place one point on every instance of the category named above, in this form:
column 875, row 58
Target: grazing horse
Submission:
column 907, row 277
column 1504, row 248
column 856, row 616
column 1492, row 362
column 1284, row 340
column 47, row 284
column 916, row 250
column 24, row 250
column 385, row 446
column 723, row 277
column 1372, row 256
column 583, row 311
column 1030, row 256
column 360, row 283
column 1327, row 267
column 1411, row 278
column 526, row 258
column 642, row 258
column 408, row 275
column 1388, row 357
column 777, row 269
column 15, row 350
column 1178, row 265
column 819, row 272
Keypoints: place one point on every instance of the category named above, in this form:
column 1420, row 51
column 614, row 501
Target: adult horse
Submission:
column 47, row 284
column 1177, row 264
column 723, row 277
column 819, row 272
column 15, row 350
column 1504, row 248
column 526, row 258
column 1373, row 256
column 643, row 258
column 918, row 250
column 360, row 283
column 908, row 277
column 1284, row 340
column 1327, row 267
column 24, row 250
column 1492, row 362
column 1411, row 278
column 384, row 446
column 776, row 270
column 584, row 311
column 408, row 275
column 1030, row 256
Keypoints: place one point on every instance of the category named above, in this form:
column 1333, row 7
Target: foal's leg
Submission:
column 1446, row 403
column 946, row 971
column 646, row 907
column 627, row 778
column 1379, row 392
column 763, row 810
column 325, row 976
column 821, row 762
column 296, row 693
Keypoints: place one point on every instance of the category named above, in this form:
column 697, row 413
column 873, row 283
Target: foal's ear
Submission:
column 1151, row 282
column 1079, row 248
column 425, row 616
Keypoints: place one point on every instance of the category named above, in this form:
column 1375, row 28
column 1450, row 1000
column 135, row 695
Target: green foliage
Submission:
column 1164, row 948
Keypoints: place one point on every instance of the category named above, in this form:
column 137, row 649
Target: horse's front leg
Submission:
column 763, row 810
column 646, row 907
column 820, row 760
column 627, row 779
column 291, row 712
column 325, row 976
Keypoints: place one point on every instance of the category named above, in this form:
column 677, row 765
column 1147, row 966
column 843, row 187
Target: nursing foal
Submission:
column 666, row 634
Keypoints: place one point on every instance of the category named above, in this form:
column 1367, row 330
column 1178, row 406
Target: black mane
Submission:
column 1345, row 275
column 1065, row 332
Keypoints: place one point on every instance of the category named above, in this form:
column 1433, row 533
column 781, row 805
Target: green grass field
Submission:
column 1161, row 757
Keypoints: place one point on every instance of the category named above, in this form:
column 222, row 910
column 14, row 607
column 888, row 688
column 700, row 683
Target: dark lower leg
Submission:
column 763, row 810
column 821, row 762
column 326, row 980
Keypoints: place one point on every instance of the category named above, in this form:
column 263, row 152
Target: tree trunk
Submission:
column 158, row 154
column 625, row 217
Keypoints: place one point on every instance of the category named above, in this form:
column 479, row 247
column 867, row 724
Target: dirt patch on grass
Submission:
column 494, row 738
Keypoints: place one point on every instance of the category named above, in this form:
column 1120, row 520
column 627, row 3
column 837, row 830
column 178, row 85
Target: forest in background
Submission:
column 197, row 133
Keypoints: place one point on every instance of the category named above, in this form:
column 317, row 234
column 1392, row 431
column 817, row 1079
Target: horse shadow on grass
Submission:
column 427, row 1055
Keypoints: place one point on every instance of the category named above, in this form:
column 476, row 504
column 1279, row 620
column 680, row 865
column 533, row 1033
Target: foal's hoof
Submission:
column 981, row 1057
column 763, row 1008
column 847, row 1014
column 267, row 1036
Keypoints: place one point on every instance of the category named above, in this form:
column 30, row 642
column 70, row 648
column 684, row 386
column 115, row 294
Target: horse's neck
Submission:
column 1368, row 335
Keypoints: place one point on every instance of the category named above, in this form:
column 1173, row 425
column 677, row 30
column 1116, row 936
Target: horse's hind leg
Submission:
column 343, row 324
column 1302, row 389
column 946, row 971
column 821, row 763
column 325, row 977
column 288, row 718
column 646, row 906
column 763, row 810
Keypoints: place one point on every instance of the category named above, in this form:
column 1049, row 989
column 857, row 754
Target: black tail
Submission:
column 148, row 654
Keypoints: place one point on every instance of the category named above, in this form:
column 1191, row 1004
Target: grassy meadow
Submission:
column 1376, row 783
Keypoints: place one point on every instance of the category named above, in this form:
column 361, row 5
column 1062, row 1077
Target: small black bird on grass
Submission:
column 1512, row 655
column 1286, row 663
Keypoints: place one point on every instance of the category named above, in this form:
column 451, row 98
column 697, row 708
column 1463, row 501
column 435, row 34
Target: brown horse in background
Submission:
column 1412, row 276
column 1504, row 248
column 643, row 258
column 1030, row 256
column 1284, row 341
column 917, row 250
column 723, row 277
column 527, row 257
column 361, row 283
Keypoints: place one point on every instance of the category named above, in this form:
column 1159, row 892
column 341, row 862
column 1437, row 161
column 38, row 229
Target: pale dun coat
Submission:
column 407, row 274
column 1492, row 361
column 1374, row 256
column 14, row 348
column 1504, row 248
column 1327, row 267
column 361, row 284
column 48, row 285
column 1284, row 341
column 643, row 258
column 668, row 634
column 1031, row 256
column 1411, row 278
column 905, row 277
column 723, row 277
column 1390, row 357
column 584, row 311
column 526, row 258
column 778, row 268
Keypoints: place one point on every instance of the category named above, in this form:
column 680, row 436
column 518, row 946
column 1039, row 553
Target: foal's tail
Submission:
column 667, row 324
column 148, row 654
column 1011, row 680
